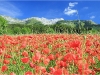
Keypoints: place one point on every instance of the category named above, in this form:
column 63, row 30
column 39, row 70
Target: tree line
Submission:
column 36, row 27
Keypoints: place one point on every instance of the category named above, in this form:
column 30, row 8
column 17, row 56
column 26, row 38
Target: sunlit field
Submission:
column 50, row 54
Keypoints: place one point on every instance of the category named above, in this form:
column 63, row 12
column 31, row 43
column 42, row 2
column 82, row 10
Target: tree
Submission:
column 50, row 30
column 3, row 25
column 25, row 30
column 17, row 30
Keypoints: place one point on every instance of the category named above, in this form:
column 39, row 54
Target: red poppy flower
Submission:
column 28, row 73
column 6, row 61
column 12, row 73
column 43, row 69
column 69, row 57
column 31, row 65
column 46, row 51
column 25, row 53
column 25, row 60
column 37, row 56
column 7, row 56
column 46, row 61
column 58, row 72
column 23, row 44
column 74, row 44
column 88, row 43
column 52, row 70
column 51, row 57
column 63, row 64
column 4, row 68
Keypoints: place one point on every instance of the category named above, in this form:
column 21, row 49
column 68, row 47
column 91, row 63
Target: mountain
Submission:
column 68, row 22
column 43, row 20
column 12, row 20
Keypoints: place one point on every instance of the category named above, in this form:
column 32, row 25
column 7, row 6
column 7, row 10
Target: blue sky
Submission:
column 87, row 10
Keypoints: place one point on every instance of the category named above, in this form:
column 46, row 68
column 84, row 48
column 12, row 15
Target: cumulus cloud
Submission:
column 69, row 11
column 72, row 4
column 6, row 8
column 92, row 17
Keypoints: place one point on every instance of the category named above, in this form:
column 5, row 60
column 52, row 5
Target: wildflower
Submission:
column 25, row 53
column 46, row 50
column 4, row 68
column 28, row 73
column 12, row 73
column 7, row 56
column 51, row 57
column 74, row 44
column 58, row 72
column 31, row 65
column 6, row 61
column 25, row 60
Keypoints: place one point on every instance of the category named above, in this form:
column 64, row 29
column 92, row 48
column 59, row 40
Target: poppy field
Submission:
column 50, row 54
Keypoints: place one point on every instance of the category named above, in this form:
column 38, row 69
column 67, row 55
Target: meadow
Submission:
column 50, row 54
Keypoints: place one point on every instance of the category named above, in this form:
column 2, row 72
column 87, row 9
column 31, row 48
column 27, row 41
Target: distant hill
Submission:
column 42, row 25
column 27, row 20
column 34, row 20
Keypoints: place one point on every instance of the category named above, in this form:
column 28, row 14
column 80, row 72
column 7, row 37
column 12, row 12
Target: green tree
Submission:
column 3, row 25
column 17, row 30
column 49, row 30
column 26, row 30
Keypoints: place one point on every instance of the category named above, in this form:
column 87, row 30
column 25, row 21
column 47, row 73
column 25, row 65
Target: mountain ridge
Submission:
column 43, row 20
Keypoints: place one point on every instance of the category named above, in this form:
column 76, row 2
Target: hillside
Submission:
column 42, row 25
column 24, row 21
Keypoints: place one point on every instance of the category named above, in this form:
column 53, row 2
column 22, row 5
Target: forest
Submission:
column 34, row 26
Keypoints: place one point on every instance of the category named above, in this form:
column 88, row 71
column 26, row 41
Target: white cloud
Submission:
column 92, row 17
column 72, row 4
column 6, row 8
column 69, row 11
